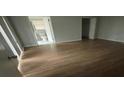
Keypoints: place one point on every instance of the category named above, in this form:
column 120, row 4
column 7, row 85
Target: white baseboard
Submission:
column 31, row 45
column 111, row 39
column 68, row 41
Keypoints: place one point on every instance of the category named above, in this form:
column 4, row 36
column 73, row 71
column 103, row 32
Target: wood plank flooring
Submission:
column 79, row 58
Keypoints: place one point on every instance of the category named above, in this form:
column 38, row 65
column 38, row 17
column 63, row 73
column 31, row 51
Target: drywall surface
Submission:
column 66, row 28
column 24, row 30
column 8, row 51
column 7, row 40
column 1, row 46
column 110, row 28
column 13, row 35
column 9, row 32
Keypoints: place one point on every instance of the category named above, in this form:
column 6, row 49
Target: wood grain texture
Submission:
column 80, row 58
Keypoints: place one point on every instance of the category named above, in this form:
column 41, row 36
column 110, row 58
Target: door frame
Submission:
column 8, row 42
column 10, row 38
column 49, row 29
column 92, row 27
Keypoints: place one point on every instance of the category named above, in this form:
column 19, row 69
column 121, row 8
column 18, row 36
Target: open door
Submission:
column 42, row 29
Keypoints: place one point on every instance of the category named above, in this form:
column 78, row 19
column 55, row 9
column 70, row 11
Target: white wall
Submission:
column 24, row 30
column 111, row 28
column 66, row 28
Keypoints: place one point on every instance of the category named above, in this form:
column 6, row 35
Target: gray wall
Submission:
column 110, row 28
column 16, row 39
column 66, row 28
column 1, row 45
column 8, row 50
column 5, row 34
column 24, row 30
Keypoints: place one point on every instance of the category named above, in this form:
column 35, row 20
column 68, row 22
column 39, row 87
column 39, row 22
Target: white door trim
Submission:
column 8, row 42
column 49, row 29
column 92, row 29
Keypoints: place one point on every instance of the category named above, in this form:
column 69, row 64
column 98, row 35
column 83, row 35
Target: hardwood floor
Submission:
column 80, row 58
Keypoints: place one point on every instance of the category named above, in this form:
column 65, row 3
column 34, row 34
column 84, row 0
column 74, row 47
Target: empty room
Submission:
column 61, row 46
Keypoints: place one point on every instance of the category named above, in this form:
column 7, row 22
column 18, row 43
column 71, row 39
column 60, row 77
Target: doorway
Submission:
column 42, row 29
column 85, row 28
column 88, row 27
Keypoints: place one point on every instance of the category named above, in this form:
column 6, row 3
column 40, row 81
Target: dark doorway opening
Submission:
column 85, row 28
